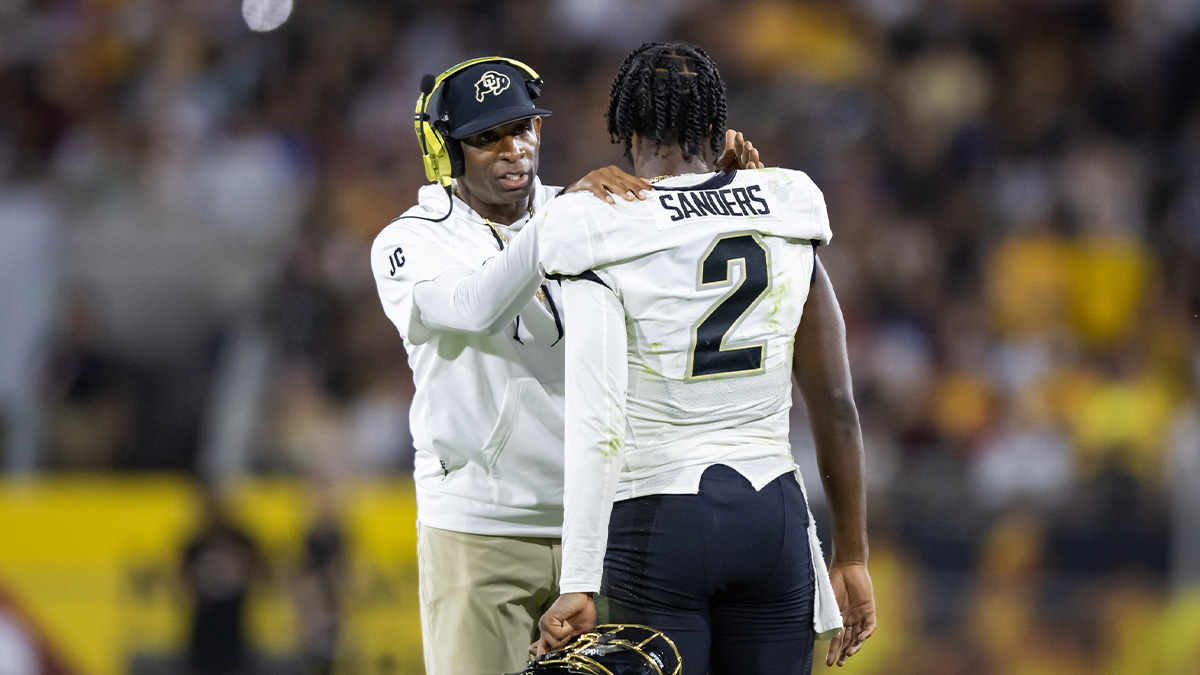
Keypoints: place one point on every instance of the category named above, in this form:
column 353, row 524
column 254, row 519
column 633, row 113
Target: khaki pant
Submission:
column 481, row 598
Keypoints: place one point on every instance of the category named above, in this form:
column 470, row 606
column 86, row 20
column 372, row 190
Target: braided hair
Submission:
column 670, row 92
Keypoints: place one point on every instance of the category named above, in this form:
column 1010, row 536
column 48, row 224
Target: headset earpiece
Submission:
column 454, row 151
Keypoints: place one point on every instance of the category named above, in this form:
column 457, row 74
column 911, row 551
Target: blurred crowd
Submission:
column 186, row 209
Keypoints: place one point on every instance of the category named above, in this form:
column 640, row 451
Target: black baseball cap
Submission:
column 483, row 96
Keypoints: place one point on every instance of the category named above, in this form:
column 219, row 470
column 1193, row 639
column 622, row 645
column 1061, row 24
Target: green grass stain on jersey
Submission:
column 614, row 445
column 776, row 297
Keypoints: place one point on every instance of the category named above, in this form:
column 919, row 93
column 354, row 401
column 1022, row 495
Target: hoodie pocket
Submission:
column 496, row 441
column 524, row 452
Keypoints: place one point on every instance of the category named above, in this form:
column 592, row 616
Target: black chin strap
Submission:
column 554, row 310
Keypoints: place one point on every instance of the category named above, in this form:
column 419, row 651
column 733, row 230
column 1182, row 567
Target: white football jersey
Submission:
column 678, row 357
column 712, row 271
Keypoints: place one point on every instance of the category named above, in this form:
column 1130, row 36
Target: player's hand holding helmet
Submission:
column 612, row 649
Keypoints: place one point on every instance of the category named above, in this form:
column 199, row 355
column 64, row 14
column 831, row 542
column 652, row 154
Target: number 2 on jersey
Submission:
column 709, row 356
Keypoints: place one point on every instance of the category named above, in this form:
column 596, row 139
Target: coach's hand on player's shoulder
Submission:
column 570, row 615
column 856, row 598
column 739, row 153
column 610, row 180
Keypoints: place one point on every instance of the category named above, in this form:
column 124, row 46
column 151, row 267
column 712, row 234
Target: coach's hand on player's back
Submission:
column 739, row 153
column 570, row 615
column 610, row 180
column 613, row 180
column 856, row 598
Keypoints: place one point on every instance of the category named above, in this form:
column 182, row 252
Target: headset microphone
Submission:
column 426, row 133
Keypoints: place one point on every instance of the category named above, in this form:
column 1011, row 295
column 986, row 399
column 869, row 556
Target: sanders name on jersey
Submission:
column 736, row 201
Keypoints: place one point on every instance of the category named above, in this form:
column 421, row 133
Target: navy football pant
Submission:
column 726, row 574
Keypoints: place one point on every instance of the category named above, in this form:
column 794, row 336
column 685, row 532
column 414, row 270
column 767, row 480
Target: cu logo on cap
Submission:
column 491, row 83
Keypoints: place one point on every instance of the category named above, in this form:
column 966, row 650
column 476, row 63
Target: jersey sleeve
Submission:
column 564, row 245
column 810, row 205
column 805, row 215
column 484, row 299
column 820, row 214
column 401, row 258
column 597, row 377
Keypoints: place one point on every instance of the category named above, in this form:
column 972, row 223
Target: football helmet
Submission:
column 612, row 649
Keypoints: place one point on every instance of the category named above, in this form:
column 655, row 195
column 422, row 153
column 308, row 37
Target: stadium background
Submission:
column 185, row 213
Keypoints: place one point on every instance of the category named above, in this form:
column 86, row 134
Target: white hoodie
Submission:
column 487, row 360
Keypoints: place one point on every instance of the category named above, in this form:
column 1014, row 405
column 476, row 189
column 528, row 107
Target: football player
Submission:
column 683, row 504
